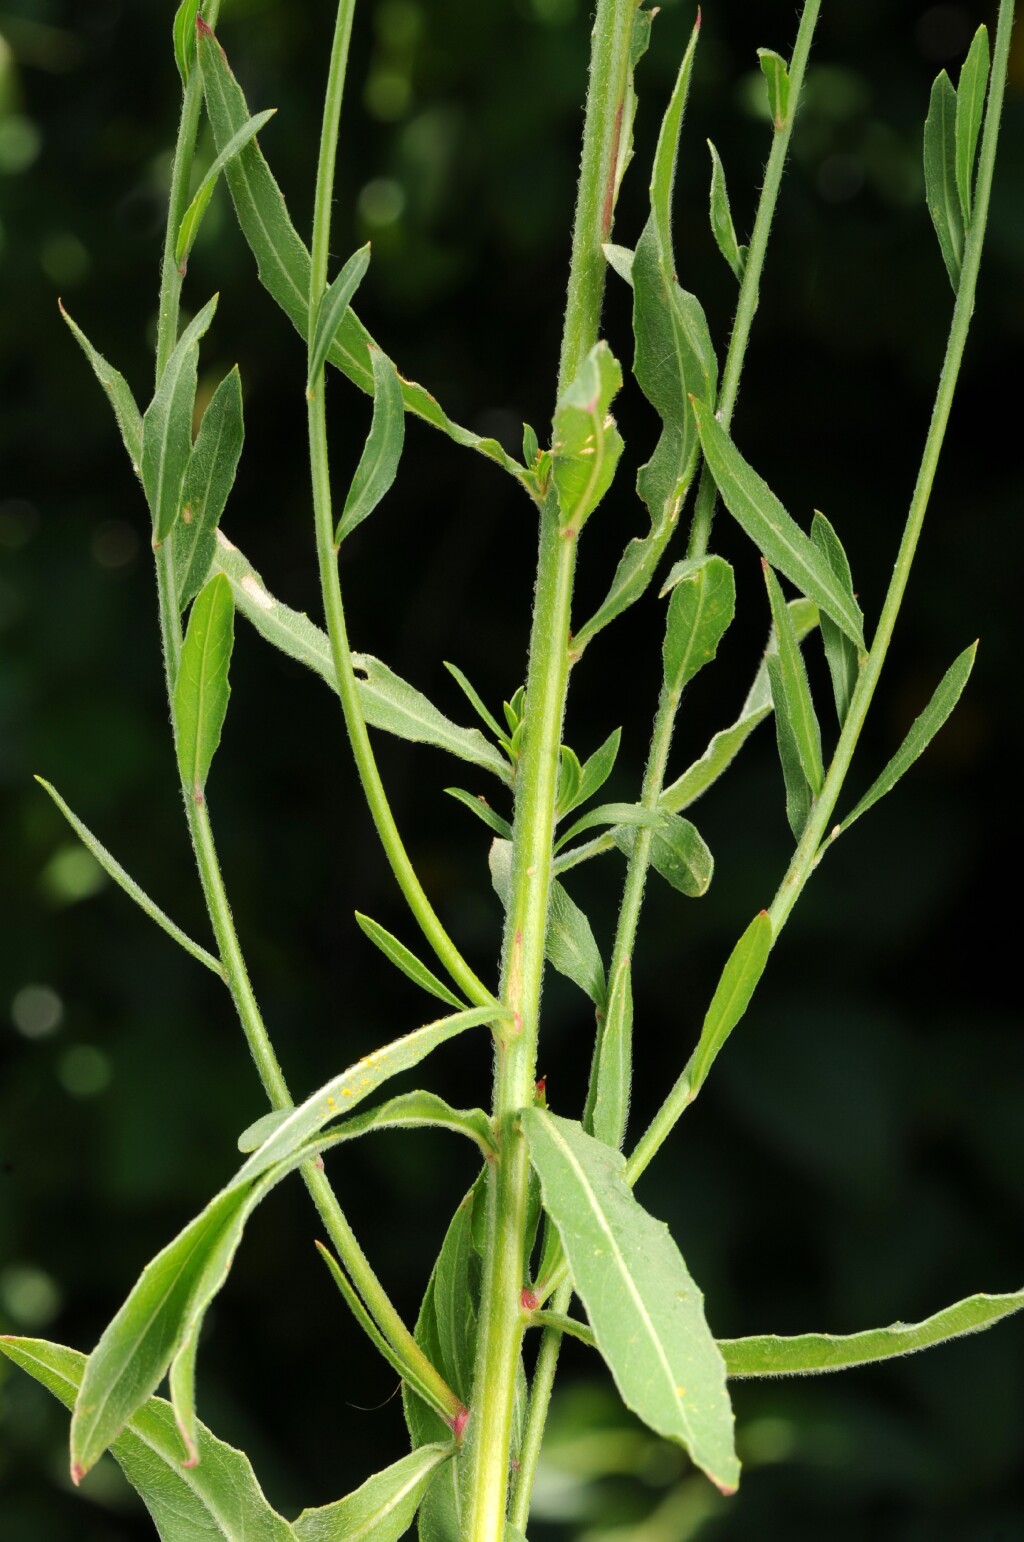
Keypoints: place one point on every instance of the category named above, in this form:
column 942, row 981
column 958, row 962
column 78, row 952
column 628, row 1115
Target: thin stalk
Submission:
column 541, row 1388
column 500, row 1327
column 750, row 288
column 810, row 848
column 197, row 814
column 327, row 553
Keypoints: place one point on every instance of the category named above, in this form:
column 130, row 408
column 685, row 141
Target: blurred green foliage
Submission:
column 856, row 1156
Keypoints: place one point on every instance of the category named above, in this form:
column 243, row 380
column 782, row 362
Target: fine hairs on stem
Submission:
column 550, row 1240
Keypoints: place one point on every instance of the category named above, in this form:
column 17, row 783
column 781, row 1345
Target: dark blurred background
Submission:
column 856, row 1157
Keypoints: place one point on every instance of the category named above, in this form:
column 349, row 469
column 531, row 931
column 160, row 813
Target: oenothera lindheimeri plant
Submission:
column 552, row 1214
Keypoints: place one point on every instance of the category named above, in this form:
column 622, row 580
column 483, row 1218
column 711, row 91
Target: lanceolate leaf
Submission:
column 167, row 427
column 678, row 852
column 808, row 1354
column 610, row 814
column 383, row 1508
column 700, row 609
column 840, row 654
column 796, row 700
column 332, row 308
column 940, row 181
column 646, row 1312
column 209, row 478
column 614, row 1074
column 596, row 769
column 202, row 691
column 474, row 698
column 407, row 962
column 378, row 464
column 113, row 868
column 776, row 535
column 922, row 731
column 586, row 445
column 483, row 811
column 193, row 216
column 282, row 258
column 799, row 797
column 743, row 970
column 417, row 1111
column 722, row 227
column 118, row 394
column 776, row 75
column 184, row 33
column 569, row 946
column 970, row 109
column 218, row 1497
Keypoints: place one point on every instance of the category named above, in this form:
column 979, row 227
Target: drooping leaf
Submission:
column 193, row 216
column 483, row 811
column 383, row 1508
column 678, row 852
column 407, row 962
column 744, row 968
column 610, row 814
column 799, row 797
column 113, row 868
column 585, row 444
column 940, row 179
column 282, row 259
column 378, row 464
column 776, row 76
column 209, row 478
column 722, row 227
column 118, row 394
column 613, row 1076
column 620, row 260
column 417, row 1111
column 809, row 1354
column 701, row 606
column 646, row 1312
column 202, row 689
column 162, row 1316
column 840, row 654
column 793, row 696
column 167, row 427
column 184, row 36
column 569, row 944
column 332, row 308
column 725, row 746
column 217, row 1498
column 774, row 532
column 970, row 109
column 922, row 731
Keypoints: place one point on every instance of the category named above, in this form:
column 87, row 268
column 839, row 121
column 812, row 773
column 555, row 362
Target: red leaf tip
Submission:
column 203, row 28
column 697, row 25
column 77, row 1473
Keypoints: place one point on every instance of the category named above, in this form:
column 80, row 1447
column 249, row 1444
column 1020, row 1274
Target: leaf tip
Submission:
column 77, row 1473
column 203, row 28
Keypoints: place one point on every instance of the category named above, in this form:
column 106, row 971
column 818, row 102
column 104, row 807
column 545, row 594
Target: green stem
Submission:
column 232, row 960
column 541, row 1388
column 810, row 849
column 750, row 288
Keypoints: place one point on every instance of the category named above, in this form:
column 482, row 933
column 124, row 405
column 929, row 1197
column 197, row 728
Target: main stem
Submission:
column 486, row 1462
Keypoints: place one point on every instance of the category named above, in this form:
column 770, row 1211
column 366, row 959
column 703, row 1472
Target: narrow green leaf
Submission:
column 744, row 968
column 184, row 35
column 167, row 427
column 597, row 768
column 646, row 1312
column 663, row 172
column 808, row 1354
column 970, row 109
column 193, row 216
column 261, row 1129
column 531, row 445
column 482, row 809
column 118, row 394
column 380, row 1510
column 378, row 464
column 569, row 944
column 164, row 1312
column 776, row 75
column 640, row 41
column 570, row 773
column 632, row 577
column 610, row 814
column 331, row 310
column 112, row 867
column 218, row 1497
column 416, row 1111
column 585, row 444
column 840, row 654
column 722, row 227
column 922, row 731
column 282, row 259
column 726, row 745
column 202, row 690
column 678, row 852
column 209, row 478
column 940, row 180
column 476, row 701
column 613, row 1078
column 799, row 798
column 407, row 962
column 777, row 536
column 620, row 259
column 795, row 687
column 702, row 605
